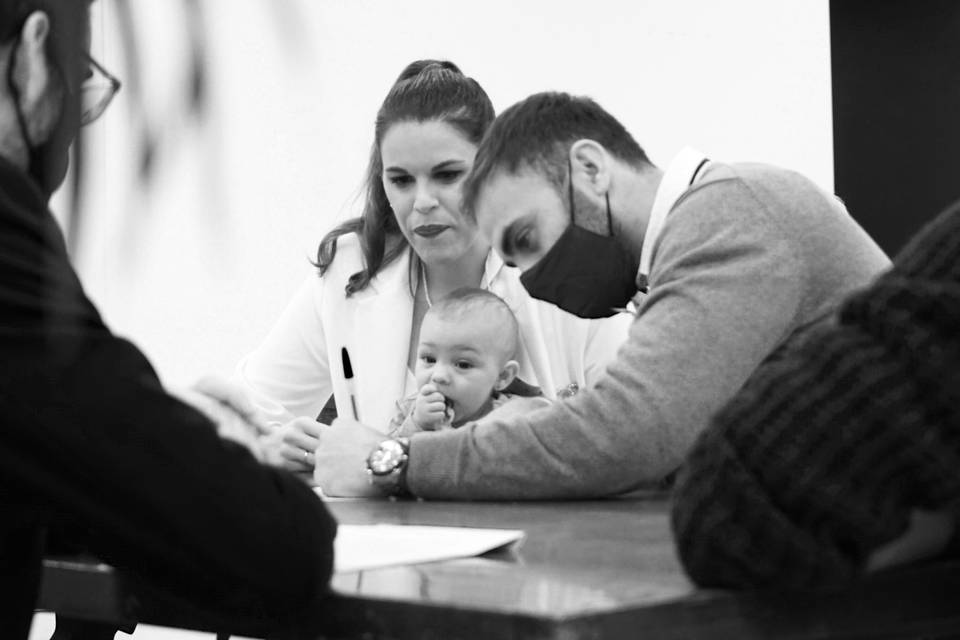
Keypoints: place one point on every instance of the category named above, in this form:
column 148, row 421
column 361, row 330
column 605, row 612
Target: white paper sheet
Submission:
column 362, row 547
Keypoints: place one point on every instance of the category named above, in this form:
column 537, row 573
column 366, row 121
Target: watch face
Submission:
column 385, row 458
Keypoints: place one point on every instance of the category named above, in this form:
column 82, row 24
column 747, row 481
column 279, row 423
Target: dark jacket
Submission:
column 92, row 444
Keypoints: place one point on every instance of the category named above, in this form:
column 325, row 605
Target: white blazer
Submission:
column 296, row 368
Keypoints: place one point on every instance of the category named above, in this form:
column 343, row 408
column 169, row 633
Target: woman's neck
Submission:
column 466, row 271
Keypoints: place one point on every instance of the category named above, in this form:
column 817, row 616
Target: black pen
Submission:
column 348, row 377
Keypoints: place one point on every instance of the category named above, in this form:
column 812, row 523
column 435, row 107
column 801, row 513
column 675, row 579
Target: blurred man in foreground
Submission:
column 90, row 442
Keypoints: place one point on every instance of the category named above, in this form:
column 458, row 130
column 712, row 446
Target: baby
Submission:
column 465, row 364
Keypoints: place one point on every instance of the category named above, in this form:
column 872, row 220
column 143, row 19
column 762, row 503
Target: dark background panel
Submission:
column 896, row 112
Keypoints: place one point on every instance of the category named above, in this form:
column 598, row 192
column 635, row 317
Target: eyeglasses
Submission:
column 96, row 92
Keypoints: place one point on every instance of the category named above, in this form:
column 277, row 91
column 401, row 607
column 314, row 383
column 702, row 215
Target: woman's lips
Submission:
column 430, row 230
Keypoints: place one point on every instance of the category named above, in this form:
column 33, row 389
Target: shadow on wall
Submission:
column 155, row 135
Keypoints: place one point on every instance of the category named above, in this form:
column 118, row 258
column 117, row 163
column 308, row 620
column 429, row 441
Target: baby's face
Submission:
column 462, row 358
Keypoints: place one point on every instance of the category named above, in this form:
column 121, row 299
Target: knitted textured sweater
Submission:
column 821, row 457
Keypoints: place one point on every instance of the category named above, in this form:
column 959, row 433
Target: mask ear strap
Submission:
column 570, row 195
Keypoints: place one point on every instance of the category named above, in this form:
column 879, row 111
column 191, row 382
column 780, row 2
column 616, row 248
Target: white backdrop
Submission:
column 196, row 267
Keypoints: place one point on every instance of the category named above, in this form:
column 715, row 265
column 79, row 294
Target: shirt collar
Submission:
column 681, row 173
column 491, row 268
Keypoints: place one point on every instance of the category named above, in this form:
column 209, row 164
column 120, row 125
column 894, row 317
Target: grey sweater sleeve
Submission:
column 725, row 292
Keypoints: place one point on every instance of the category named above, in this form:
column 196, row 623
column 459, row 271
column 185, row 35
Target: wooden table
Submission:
column 598, row 569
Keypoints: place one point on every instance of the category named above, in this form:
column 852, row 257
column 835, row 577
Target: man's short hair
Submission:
column 537, row 133
column 472, row 302
column 68, row 27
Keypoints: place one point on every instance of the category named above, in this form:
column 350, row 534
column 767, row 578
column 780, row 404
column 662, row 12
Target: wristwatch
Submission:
column 387, row 465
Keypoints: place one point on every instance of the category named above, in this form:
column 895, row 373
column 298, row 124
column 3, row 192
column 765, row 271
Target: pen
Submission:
column 348, row 376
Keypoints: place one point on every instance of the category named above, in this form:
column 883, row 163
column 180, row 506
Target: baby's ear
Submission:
column 507, row 373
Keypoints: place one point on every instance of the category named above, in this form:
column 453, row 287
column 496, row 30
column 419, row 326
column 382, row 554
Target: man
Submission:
column 842, row 457
column 89, row 441
column 734, row 262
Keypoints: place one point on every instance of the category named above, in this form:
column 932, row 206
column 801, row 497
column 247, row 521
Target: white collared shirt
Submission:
column 680, row 175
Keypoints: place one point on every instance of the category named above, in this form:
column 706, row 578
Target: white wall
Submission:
column 195, row 268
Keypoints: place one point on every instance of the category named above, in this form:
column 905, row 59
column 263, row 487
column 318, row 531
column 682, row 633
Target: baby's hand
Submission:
column 430, row 409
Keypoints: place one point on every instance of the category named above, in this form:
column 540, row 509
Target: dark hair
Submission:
column 426, row 90
column 536, row 133
column 68, row 23
column 467, row 302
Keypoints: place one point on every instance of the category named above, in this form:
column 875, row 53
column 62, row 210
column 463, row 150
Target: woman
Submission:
column 379, row 274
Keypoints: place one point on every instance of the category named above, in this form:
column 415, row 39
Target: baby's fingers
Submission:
column 435, row 408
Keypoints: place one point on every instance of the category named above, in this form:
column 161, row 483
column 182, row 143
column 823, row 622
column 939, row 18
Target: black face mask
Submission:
column 584, row 273
column 48, row 161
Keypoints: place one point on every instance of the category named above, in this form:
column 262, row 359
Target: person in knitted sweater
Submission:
column 466, row 365
column 843, row 456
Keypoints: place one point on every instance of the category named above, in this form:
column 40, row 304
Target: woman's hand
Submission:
column 291, row 446
column 430, row 409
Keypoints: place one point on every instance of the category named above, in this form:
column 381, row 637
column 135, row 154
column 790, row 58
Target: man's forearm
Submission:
column 554, row 452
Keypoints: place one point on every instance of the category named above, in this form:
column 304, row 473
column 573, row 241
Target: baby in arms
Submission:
column 466, row 365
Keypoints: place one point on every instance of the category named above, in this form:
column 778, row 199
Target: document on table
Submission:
column 361, row 547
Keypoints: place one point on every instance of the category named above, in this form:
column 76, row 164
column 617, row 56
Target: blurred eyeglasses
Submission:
column 96, row 92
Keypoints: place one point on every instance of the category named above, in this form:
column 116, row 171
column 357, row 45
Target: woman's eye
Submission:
column 400, row 181
column 449, row 176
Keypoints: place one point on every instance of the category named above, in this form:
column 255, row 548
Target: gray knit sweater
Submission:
column 749, row 256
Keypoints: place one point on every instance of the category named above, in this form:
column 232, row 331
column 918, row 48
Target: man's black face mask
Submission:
column 48, row 160
column 584, row 273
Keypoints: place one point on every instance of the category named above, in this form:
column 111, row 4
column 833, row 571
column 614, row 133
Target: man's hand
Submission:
column 228, row 407
column 341, row 464
column 430, row 409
